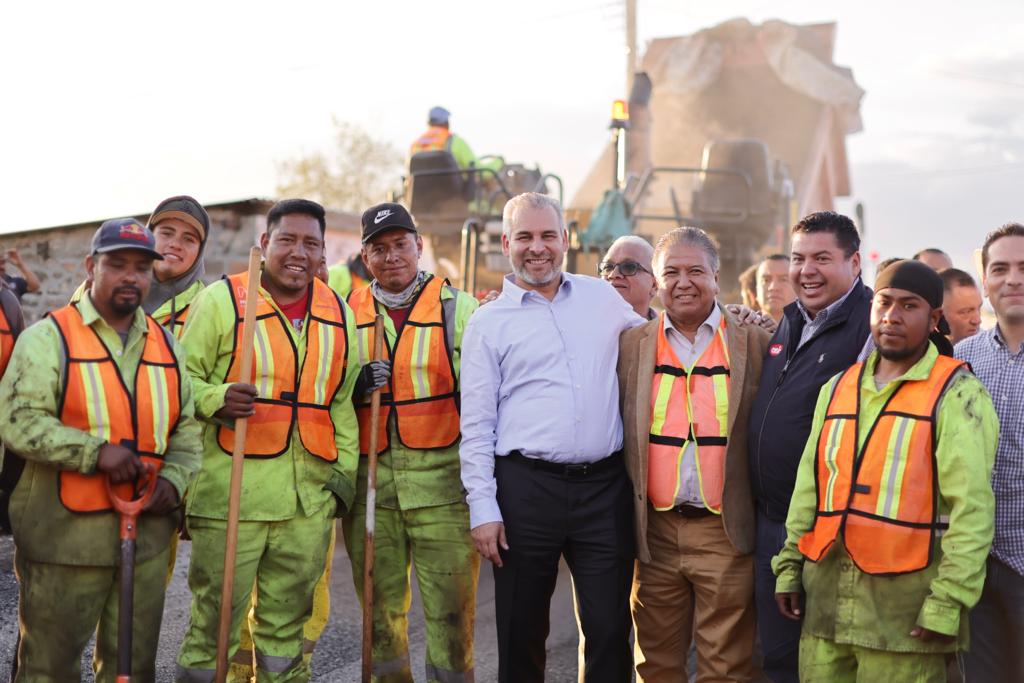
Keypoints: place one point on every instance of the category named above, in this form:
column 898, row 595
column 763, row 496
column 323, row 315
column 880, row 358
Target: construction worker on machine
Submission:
column 93, row 394
column 438, row 137
column 348, row 275
column 422, row 519
column 301, row 447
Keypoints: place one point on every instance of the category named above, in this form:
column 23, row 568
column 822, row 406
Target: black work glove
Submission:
column 374, row 375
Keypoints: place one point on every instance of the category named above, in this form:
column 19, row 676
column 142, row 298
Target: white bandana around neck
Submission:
column 403, row 299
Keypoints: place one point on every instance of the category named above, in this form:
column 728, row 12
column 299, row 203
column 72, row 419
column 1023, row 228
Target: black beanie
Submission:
column 915, row 277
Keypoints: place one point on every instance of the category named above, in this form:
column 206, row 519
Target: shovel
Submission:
column 129, row 511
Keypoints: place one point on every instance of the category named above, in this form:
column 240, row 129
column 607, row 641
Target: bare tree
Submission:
column 358, row 172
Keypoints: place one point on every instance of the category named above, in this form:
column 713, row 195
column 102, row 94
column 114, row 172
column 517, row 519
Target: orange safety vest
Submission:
column 95, row 399
column 6, row 341
column 435, row 139
column 176, row 325
column 290, row 394
column 688, row 405
column 882, row 497
column 422, row 387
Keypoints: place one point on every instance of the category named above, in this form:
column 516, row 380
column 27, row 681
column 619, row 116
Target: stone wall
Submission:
column 57, row 255
column 57, row 258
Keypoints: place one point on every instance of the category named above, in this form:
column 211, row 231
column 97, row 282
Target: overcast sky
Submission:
column 108, row 107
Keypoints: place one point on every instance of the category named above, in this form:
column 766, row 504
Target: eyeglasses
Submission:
column 626, row 268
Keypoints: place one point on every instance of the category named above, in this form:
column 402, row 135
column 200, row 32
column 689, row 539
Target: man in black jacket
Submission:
column 820, row 335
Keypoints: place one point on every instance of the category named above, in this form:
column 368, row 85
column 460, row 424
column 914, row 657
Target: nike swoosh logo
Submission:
column 381, row 216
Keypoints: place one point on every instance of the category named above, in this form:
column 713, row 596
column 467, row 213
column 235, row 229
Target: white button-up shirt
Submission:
column 538, row 377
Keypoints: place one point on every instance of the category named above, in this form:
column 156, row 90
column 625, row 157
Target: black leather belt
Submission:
column 568, row 469
column 691, row 512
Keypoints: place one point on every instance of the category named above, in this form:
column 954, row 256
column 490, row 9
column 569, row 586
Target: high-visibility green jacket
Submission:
column 44, row 530
column 273, row 489
column 408, row 478
column 846, row 605
column 341, row 279
column 177, row 306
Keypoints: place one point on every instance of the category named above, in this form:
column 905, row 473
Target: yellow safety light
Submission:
column 620, row 114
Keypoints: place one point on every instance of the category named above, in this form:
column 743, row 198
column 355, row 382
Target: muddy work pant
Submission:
column 436, row 541
column 241, row 669
column 276, row 569
column 61, row 606
column 826, row 661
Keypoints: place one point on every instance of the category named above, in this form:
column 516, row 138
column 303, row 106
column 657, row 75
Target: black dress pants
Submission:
column 588, row 518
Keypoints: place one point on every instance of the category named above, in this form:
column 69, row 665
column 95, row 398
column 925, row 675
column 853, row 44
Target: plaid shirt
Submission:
column 1002, row 373
column 812, row 324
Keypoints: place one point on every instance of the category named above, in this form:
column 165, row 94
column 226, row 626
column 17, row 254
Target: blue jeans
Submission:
column 780, row 637
column 997, row 628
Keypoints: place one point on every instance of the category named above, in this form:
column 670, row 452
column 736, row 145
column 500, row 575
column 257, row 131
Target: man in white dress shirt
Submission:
column 541, row 449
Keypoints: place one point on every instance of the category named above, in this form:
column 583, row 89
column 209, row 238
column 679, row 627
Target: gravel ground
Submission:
column 337, row 656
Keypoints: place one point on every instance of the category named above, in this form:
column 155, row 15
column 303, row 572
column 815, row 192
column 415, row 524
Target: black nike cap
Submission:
column 386, row 216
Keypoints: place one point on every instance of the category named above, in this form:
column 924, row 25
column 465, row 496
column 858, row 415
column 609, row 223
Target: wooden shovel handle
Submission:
column 237, row 461
column 371, row 507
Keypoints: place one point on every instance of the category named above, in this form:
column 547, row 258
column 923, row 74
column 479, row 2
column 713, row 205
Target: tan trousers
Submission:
column 696, row 586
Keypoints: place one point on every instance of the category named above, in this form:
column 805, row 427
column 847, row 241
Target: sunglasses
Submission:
column 626, row 268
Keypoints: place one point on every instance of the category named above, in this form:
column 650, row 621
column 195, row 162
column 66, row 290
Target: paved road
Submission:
column 337, row 656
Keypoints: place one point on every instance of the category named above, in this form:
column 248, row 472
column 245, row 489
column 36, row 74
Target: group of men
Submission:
column 138, row 377
column 704, row 480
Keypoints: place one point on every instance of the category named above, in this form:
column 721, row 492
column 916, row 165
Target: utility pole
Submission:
column 630, row 44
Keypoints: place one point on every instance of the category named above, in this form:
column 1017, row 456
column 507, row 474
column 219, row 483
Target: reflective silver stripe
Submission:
column 189, row 675
column 262, row 356
column 392, row 666
column 274, row 664
column 101, row 424
column 308, row 646
column 830, row 461
column 243, row 657
column 362, row 340
column 435, row 673
column 422, row 340
column 323, row 373
column 894, row 467
column 161, row 409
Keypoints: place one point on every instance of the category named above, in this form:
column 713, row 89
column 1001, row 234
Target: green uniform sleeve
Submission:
column 185, row 449
column 28, row 405
column 339, row 278
column 967, row 433
column 464, row 156
column 465, row 305
column 788, row 564
column 207, row 337
column 346, row 435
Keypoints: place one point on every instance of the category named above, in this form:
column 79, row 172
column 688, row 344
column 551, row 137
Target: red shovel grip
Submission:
column 129, row 509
